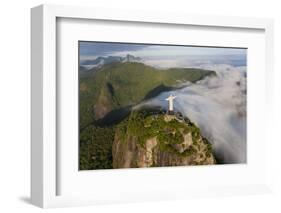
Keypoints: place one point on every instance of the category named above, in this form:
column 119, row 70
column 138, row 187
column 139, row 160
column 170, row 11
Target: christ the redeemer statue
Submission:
column 171, row 102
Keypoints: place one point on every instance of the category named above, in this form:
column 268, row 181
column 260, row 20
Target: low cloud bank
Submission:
column 218, row 106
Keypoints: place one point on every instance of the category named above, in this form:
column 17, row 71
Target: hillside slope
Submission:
column 117, row 86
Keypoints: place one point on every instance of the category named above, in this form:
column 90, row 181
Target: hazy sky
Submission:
column 166, row 55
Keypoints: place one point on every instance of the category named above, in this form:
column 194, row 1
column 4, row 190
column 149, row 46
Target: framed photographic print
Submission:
column 130, row 106
column 149, row 105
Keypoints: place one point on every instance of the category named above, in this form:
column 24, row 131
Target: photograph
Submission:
column 161, row 105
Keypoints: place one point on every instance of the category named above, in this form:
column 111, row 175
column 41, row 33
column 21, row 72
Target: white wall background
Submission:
column 15, row 105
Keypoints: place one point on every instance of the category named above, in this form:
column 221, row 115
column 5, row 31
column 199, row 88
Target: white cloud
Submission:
column 218, row 106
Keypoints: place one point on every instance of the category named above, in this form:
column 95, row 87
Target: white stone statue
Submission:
column 171, row 102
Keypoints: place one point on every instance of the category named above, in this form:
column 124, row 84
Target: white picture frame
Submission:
column 44, row 155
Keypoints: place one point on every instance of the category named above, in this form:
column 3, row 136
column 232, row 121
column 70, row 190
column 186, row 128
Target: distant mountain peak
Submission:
column 131, row 58
column 98, row 62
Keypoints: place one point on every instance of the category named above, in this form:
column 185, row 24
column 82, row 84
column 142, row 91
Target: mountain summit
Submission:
column 156, row 139
column 94, row 64
column 131, row 58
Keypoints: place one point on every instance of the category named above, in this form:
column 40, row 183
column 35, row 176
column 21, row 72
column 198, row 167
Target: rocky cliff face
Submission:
column 158, row 139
